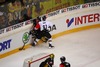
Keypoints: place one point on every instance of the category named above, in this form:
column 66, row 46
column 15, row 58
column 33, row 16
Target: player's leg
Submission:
column 34, row 41
column 50, row 43
column 48, row 35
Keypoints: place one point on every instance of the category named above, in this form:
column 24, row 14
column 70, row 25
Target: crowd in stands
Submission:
column 16, row 11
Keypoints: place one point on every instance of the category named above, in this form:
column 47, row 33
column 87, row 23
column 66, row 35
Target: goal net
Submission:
column 36, row 60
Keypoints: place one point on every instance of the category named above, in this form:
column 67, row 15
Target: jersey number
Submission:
column 45, row 27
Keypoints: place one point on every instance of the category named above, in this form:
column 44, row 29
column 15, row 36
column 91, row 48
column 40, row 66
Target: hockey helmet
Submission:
column 52, row 56
column 39, row 18
column 62, row 59
column 44, row 18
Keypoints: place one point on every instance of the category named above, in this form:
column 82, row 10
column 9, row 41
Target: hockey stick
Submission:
column 25, row 39
column 22, row 48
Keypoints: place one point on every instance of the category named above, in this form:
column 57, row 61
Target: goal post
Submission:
column 36, row 60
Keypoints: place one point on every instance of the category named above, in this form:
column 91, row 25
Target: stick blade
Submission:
column 21, row 48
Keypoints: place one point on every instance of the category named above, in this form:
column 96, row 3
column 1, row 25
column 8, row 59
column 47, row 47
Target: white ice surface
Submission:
column 81, row 49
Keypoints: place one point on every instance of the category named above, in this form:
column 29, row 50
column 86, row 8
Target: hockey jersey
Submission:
column 44, row 25
column 65, row 64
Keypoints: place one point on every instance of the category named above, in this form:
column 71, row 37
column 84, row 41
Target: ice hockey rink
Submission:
column 81, row 49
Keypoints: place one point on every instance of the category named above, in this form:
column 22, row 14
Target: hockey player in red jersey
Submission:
column 36, row 34
column 44, row 28
column 64, row 63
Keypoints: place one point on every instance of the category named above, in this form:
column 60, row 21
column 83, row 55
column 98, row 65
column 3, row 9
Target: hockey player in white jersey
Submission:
column 44, row 27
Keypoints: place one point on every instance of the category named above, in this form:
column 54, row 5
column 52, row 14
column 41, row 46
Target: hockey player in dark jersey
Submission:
column 64, row 63
column 49, row 62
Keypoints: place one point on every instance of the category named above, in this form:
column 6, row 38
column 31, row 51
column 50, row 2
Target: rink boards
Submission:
column 67, row 20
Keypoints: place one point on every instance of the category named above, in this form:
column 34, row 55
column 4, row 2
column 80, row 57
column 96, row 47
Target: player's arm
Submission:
column 31, row 30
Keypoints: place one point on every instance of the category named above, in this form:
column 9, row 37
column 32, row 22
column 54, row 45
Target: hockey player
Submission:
column 37, row 34
column 64, row 63
column 34, row 33
column 49, row 62
column 44, row 28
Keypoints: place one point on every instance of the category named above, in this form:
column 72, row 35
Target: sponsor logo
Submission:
column 25, row 37
column 69, row 22
column 83, row 19
column 5, row 45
